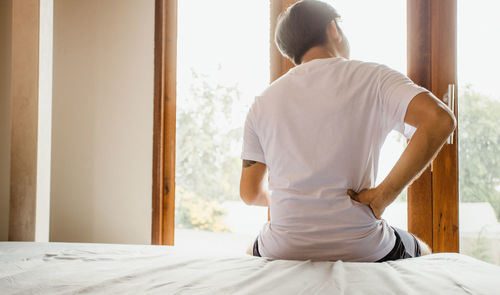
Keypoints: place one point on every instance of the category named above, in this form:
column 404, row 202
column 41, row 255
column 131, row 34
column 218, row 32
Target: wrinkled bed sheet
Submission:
column 62, row 268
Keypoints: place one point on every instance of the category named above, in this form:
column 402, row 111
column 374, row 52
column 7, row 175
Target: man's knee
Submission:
column 424, row 248
column 250, row 250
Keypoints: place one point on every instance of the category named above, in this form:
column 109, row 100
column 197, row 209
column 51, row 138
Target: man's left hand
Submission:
column 370, row 197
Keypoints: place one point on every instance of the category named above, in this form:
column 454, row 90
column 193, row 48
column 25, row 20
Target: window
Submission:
column 432, row 199
column 222, row 64
column 479, row 136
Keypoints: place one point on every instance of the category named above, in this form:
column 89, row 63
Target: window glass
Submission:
column 479, row 135
column 223, row 62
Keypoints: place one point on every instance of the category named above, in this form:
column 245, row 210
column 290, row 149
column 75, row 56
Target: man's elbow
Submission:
column 443, row 121
column 448, row 121
column 247, row 196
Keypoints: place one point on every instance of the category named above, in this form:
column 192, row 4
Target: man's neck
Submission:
column 317, row 52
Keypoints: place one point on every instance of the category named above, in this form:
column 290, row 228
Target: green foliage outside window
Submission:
column 207, row 154
column 479, row 149
column 479, row 164
column 481, row 248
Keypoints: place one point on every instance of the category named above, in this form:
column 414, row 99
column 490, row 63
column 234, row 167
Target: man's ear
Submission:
column 333, row 32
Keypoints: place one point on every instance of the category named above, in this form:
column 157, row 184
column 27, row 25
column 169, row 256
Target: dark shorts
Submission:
column 256, row 248
column 406, row 246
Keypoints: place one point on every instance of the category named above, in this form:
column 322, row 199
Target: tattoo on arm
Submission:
column 248, row 163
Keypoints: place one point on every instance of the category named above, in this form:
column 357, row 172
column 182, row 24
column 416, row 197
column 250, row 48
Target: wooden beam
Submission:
column 279, row 64
column 158, row 122
column 433, row 198
column 420, row 217
column 25, row 21
column 5, row 107
column 163, row 214
column 31, row 120
column 445, row 202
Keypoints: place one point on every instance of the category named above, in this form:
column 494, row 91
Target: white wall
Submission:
column 5, row 100
column 102, row 121
column 44, row 134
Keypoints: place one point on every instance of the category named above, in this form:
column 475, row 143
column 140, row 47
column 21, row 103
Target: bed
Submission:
column 62, row 268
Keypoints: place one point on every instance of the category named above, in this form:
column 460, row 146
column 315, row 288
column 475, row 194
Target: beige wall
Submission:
column 102, row 121
column 5, row 100
column 31, row 74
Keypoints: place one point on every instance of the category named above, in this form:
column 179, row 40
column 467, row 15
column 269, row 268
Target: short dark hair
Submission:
column 303, row 26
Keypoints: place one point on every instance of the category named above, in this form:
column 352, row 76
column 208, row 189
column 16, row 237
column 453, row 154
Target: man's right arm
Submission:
column 434, row 123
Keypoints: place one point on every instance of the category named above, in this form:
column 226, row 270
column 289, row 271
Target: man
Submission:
column 318, row 131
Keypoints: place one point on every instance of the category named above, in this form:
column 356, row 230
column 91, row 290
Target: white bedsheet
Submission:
column 61, row 268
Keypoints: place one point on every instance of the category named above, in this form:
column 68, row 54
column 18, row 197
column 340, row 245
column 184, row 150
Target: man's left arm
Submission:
column 253, row 190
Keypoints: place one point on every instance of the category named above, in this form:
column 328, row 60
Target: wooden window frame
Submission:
column 432, row 199
column 432, row 62
column 165, row 80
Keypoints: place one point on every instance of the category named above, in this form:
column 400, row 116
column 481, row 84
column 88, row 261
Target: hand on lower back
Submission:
column 370, row 197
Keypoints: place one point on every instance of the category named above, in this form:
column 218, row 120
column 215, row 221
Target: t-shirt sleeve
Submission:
column 252, row 149
column 395, row 93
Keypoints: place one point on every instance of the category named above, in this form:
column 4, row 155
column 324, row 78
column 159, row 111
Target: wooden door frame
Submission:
column 279, row 64
column 165, row 76
column 419, row 198
column 432, row 61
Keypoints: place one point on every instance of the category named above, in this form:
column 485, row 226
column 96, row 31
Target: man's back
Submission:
column 319, row 130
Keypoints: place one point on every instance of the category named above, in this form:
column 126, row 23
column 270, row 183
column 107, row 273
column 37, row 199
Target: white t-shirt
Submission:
column 319, row 129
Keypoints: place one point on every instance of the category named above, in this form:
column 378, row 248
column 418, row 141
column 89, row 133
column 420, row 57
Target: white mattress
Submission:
column 61, row 268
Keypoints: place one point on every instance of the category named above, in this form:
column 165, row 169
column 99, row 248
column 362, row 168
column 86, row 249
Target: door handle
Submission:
column 449, row 99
